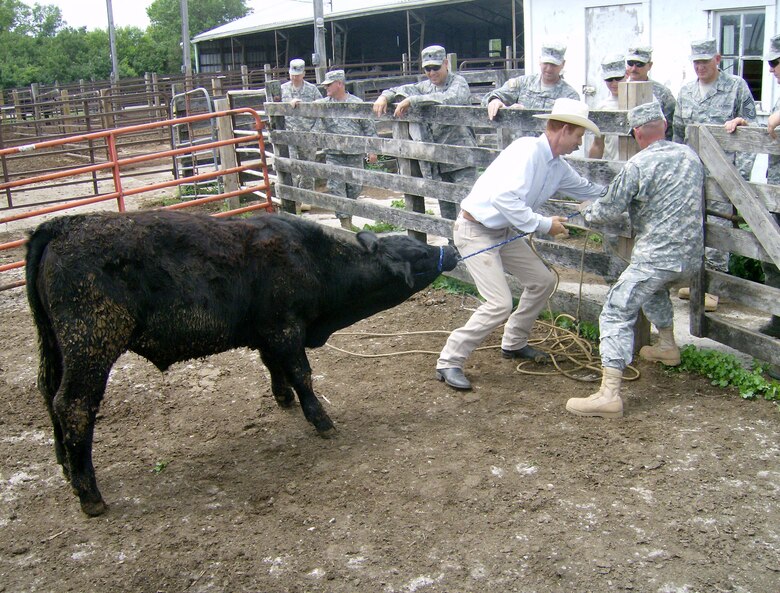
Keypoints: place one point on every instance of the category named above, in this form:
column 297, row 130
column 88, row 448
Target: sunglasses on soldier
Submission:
column 432, row 68
column 774, row 63
column 635, row 63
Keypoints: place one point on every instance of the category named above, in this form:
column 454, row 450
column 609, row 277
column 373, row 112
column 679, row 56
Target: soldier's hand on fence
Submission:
column 295, row 103
column 402, row 107
column 732, row 125
column 772, row 123
column 493, row 108
column 380, row 106
column 372, row 158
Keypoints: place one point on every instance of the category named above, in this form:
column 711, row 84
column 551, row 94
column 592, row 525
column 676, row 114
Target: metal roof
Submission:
column 282, row 14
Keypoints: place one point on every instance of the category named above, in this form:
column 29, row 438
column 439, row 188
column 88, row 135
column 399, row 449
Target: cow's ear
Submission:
column 368, row 240
column 404, row 269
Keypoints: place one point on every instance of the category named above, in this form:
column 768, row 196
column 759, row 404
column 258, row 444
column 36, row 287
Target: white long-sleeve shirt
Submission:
column 521, row 178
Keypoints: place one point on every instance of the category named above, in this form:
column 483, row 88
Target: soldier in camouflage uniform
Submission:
column 296, row 91
column 661, row 188
column 715, row 97
column 441, row 87
column 639, row 61
column 613, row 72
column 337, row 93
column 771, row 273
column 534, row 91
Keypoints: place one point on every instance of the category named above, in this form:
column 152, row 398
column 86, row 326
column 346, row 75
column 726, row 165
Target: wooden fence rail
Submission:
column 755, row 202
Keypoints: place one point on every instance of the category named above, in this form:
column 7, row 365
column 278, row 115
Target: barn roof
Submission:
column 282, row 14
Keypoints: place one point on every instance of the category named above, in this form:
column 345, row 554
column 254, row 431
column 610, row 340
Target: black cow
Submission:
column 172, row 286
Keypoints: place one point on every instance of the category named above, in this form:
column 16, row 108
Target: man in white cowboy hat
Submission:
column 441, row 87
column 661, row 187
column 715, row 97
column 335, row 88
column 534, row 91
column 613, row 72
column 503, row 204
column 297, row 91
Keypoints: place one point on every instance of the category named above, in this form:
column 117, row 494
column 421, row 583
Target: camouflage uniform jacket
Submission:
column 308, row 93
column 528, row 91
column 343, row 125
column 665, row 97
column 661, row 188
column 454, row 91
column 729, row 98
column 773, row 170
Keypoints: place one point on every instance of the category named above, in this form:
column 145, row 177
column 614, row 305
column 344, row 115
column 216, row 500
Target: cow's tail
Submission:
column 50, row 366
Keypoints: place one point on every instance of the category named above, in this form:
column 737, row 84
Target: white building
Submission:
column 593, row 28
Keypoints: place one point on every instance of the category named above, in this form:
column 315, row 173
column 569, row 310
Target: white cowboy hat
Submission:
column 571, row 111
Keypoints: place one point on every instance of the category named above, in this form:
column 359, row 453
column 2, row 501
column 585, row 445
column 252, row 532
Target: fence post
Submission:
column 18, row 112
column 109, row 121
column 267, row 73
column 452, row 59
column 245, row 77
column 227, row 154
column 412, row 202
column 216, row 87
column 66, row 123
column 156, row 89
column 406, row 67
column 631, row 94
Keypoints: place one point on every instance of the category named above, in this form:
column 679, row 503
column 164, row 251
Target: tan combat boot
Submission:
column 710, row 300
column 606, row 402
column 665, row 351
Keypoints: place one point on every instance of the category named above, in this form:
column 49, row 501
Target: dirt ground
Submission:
column 211, row 487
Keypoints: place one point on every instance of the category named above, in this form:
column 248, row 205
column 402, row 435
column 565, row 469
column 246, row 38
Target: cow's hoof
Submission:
column 328, row 433
column 94, row 509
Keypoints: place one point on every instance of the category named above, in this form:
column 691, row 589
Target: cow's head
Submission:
column 416, row 262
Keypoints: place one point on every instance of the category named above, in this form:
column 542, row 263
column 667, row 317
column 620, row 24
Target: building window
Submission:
column 741, row 36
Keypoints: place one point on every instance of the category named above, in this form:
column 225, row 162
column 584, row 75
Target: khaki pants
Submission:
column 487, row 269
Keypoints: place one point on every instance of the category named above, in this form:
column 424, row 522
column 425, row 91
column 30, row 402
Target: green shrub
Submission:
column 724, row 370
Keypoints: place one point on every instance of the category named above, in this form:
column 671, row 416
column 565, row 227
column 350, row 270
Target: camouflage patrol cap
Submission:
column 333, row 76
column 433, row 55
column 553, row 53
column 644, row 113
column 774, row 49
column 640, row 53
column 297, row 66
column 613, row 66
column 704, row 49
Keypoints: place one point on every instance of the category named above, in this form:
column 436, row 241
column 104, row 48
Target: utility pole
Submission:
column 112, row 43
column 185, row 44
column 319, row 57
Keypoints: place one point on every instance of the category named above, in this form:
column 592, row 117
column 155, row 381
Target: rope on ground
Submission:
column 571, row 354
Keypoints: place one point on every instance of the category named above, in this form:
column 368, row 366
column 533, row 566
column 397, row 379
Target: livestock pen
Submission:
column 758, row 237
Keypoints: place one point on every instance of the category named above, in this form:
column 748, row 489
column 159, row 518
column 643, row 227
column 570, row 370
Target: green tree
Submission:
column 165, row 24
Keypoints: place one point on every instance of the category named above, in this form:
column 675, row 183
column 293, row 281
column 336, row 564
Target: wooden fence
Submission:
column 755, row 202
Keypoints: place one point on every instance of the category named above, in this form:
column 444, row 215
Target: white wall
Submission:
column 667, row 25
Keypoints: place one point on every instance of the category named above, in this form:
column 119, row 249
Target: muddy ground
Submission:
column 212, row 488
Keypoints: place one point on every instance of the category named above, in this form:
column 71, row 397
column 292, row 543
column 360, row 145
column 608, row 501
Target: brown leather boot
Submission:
column 606, row 402
column 665, row 351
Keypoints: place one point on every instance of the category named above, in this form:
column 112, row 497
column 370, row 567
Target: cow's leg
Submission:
column 75, row 407
column 298, row 372
column 59, row 448
column 283, row 393
column 289, row 356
